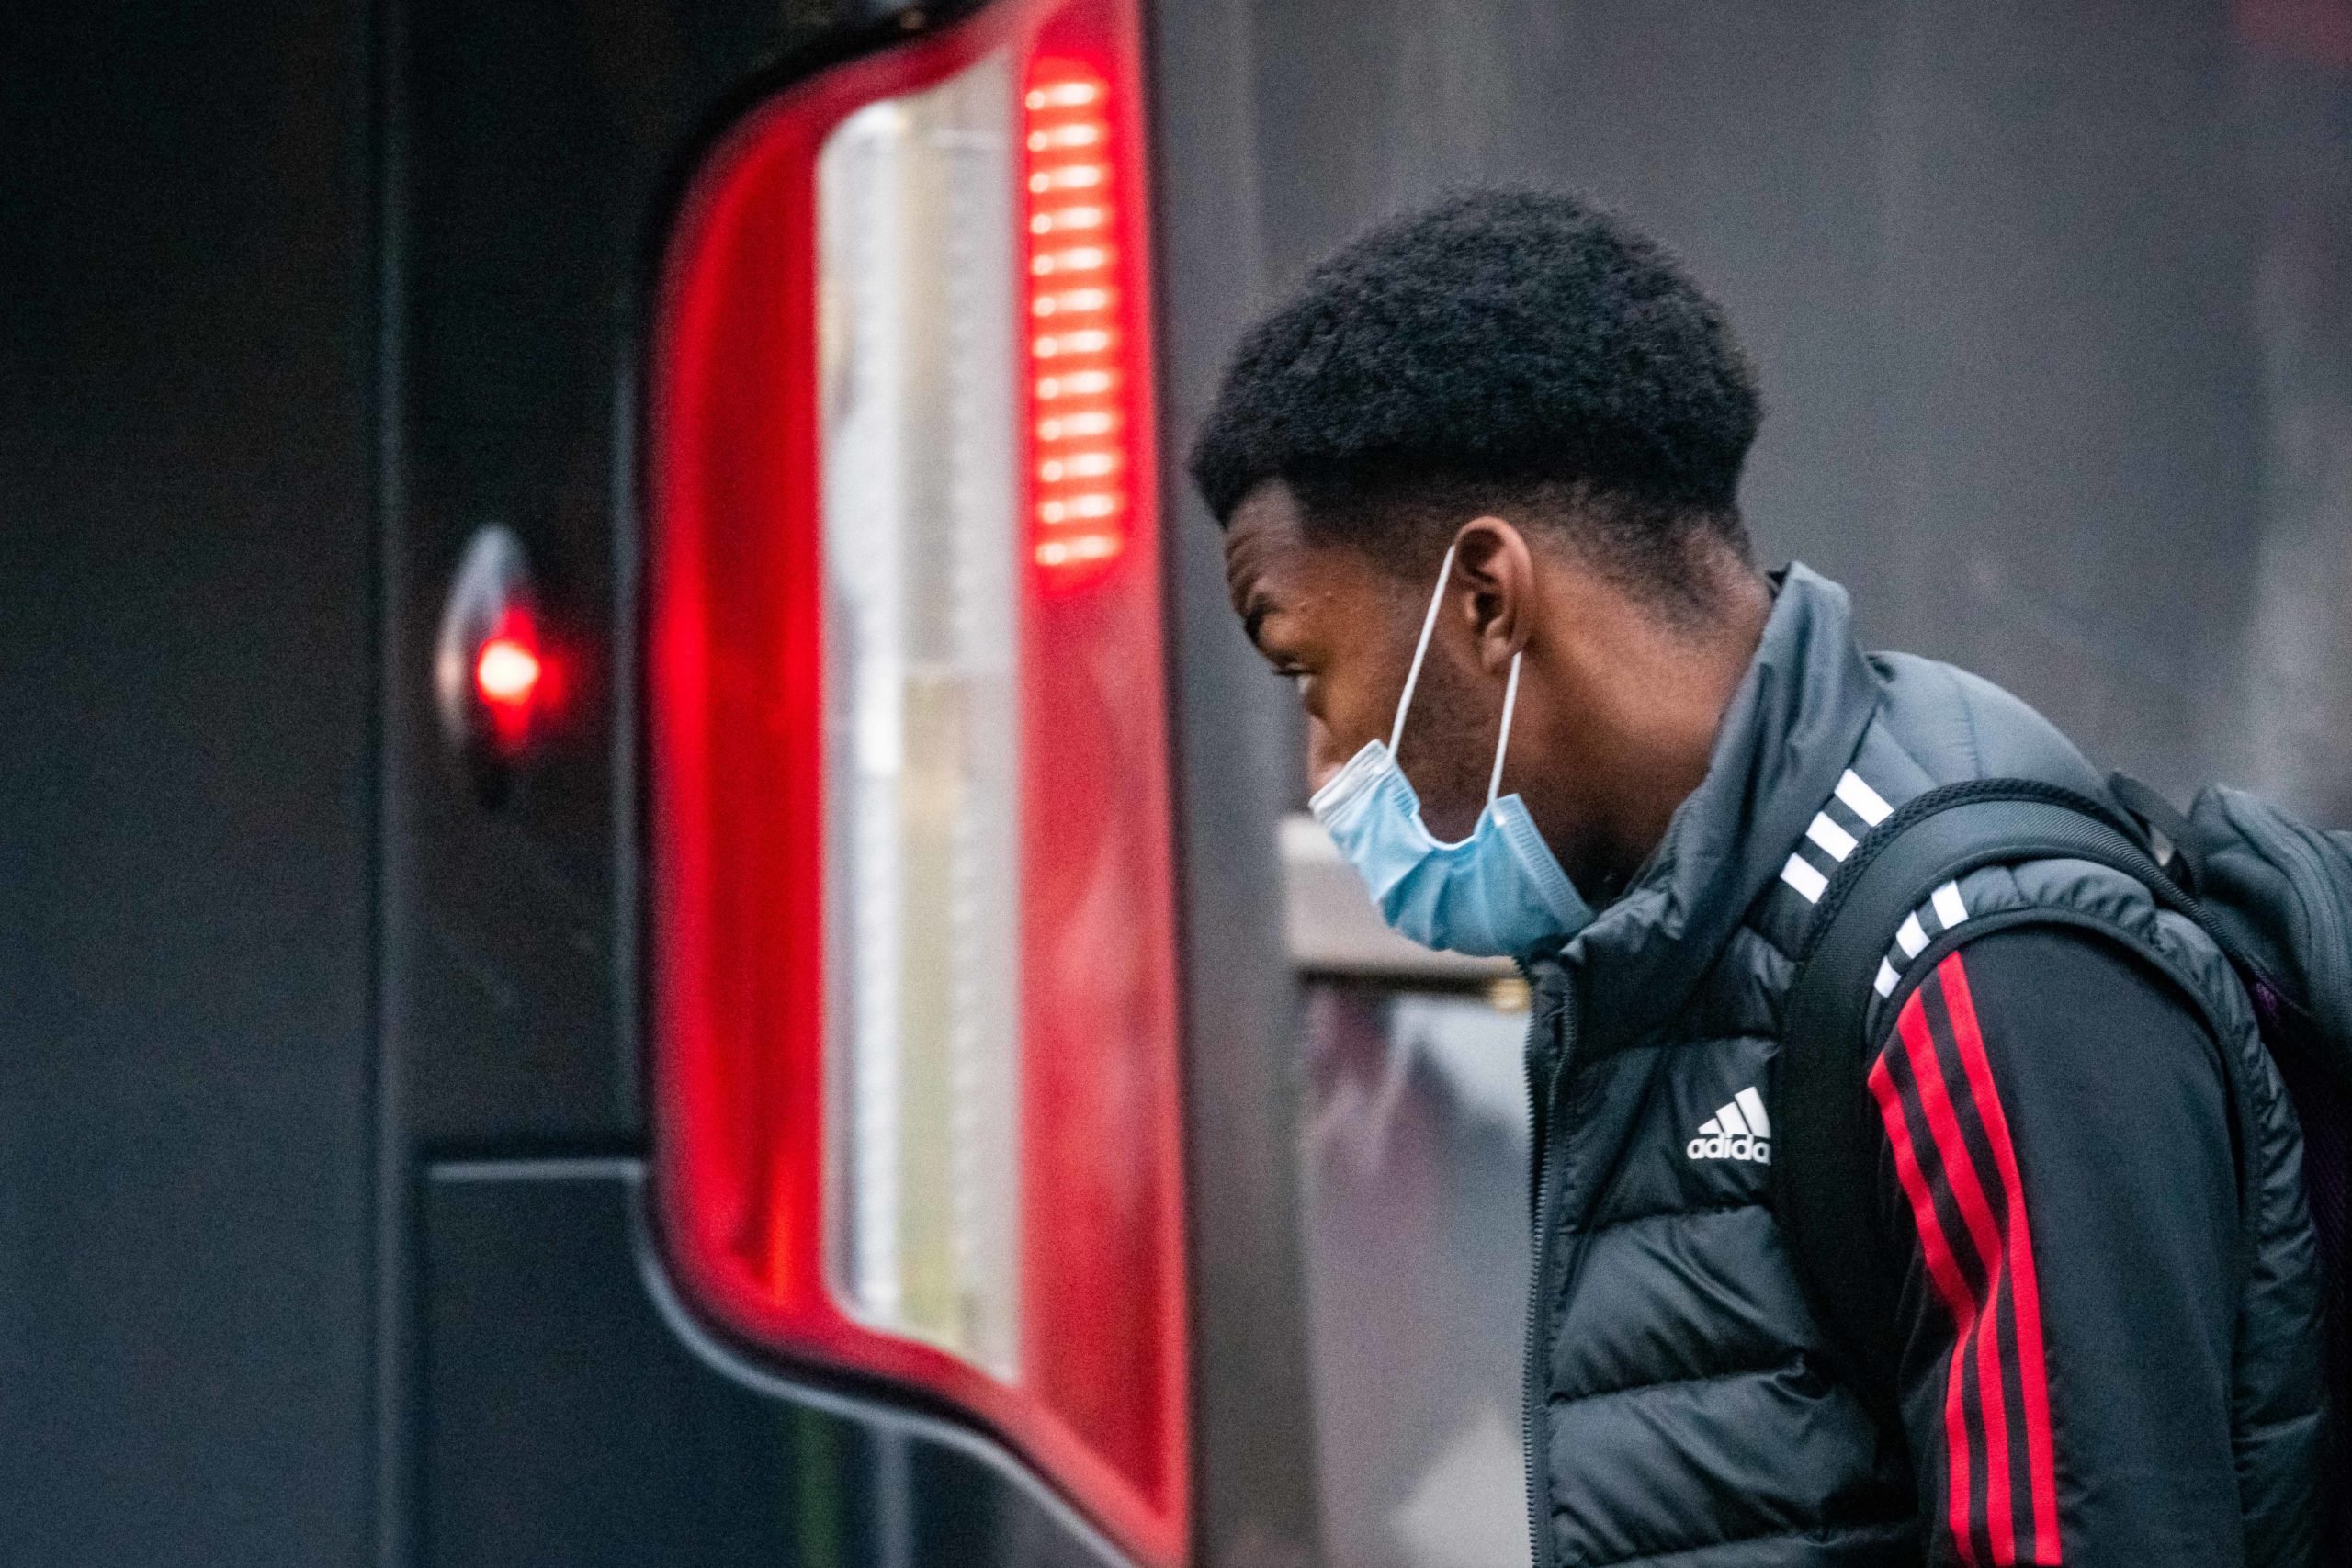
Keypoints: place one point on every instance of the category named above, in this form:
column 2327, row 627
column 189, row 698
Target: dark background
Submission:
column 2053, row 305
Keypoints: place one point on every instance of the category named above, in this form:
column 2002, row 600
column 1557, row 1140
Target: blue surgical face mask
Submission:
column 1498, row 893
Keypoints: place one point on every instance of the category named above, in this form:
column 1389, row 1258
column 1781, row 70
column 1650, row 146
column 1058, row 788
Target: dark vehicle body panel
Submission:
column 325, row 1233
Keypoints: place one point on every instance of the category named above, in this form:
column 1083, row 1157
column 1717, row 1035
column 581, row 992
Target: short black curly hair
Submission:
column 1503, row 346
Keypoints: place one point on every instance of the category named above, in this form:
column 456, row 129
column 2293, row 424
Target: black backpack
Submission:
column 2274, row 893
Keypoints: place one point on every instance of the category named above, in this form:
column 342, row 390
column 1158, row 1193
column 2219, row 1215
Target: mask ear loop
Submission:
column 1421, row 650
column 1502, row 741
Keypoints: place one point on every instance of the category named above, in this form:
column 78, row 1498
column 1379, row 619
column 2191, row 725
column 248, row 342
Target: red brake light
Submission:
column 1081, row 382
column 912, row 945
column 500, row 688
column 507, row 672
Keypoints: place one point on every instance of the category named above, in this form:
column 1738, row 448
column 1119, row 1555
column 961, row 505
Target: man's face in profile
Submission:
column 1342, row 627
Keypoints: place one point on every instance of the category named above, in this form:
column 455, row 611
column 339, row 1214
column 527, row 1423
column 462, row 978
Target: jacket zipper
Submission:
column 1532, row 1377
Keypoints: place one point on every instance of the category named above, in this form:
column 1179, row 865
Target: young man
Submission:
column 1478, row 484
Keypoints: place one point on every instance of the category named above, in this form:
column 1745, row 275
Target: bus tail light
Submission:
column 912, row 988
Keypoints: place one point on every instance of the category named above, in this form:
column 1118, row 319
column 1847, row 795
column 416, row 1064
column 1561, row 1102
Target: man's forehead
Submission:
column 1261, row 536
column 1270, row 549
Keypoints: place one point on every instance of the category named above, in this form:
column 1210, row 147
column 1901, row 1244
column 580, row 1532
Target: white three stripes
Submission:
column 1836, row 841
column 1912, row 937
column 1831, row 836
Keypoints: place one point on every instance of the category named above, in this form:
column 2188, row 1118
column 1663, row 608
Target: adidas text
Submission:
column 1741, row 1129
column 1737, row 1146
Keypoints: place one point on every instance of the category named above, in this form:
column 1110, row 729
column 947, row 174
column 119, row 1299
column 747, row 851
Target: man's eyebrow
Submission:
column 1253, row 615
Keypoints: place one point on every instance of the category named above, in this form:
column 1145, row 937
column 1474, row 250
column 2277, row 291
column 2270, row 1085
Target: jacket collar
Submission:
column 1793, row 726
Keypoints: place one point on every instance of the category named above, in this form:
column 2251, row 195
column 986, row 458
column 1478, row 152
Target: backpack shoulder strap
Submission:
column 1824, row 1159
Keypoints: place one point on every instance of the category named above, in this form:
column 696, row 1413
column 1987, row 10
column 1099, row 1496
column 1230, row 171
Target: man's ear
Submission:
column 1494, row 582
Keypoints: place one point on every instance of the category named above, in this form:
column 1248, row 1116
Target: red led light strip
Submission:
column 1078, row 391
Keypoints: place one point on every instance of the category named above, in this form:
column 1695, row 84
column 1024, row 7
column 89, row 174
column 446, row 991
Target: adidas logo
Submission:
column 1740, row 1130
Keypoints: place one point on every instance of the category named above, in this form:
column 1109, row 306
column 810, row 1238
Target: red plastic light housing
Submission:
column 911, row 948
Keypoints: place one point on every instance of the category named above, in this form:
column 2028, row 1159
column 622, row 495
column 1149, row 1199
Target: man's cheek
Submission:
column 1324, row 755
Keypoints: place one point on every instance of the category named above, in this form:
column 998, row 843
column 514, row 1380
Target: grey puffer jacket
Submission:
column 1681, row 1408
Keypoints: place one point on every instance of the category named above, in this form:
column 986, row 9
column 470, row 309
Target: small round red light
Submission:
column 506, row 672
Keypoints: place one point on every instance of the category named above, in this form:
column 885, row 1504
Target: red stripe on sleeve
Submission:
column 2032, row 1372
column 1966, row 1166
column 1980, row 1335
column 1943, row 1268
